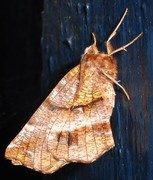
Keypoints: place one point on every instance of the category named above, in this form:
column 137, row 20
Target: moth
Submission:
column 73, row 123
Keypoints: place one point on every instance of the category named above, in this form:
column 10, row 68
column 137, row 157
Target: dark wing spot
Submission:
column 53, row 108
column 72, row 138
column 58, row 137
column 69, row 139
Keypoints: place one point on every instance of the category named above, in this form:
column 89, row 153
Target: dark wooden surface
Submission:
column 29, row 73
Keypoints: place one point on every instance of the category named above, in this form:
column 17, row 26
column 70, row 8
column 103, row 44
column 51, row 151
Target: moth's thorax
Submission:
column 93, row 82
column 100, row 61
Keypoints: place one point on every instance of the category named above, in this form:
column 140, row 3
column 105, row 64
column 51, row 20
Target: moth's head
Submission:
column 93, row 48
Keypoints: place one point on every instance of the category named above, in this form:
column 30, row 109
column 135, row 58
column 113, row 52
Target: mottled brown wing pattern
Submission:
column 29, row 147
column 63, row 94
column 55, row 135
column 83, row 134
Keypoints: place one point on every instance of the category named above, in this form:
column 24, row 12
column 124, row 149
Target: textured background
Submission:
column 40, row 47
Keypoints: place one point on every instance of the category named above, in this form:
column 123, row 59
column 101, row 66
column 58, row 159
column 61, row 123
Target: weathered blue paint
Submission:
column 67, row 28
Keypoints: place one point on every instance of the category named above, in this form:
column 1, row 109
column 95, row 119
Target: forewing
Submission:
column 56, row 135
column 29, row 147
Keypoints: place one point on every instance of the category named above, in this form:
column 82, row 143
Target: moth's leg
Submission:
column 108, row 44
column 116, row 82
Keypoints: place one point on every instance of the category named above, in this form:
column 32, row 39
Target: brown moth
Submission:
column 73, row 123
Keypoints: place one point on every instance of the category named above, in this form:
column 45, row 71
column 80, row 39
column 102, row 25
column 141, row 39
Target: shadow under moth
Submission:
column 73, row 123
